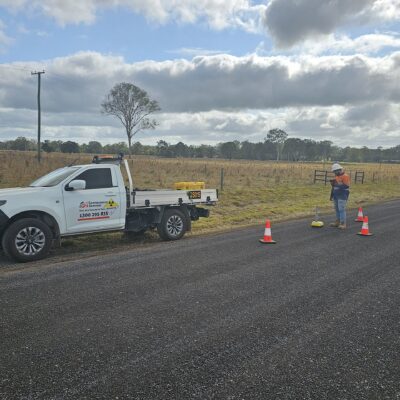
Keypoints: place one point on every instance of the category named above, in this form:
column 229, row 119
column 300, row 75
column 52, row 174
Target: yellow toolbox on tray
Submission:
column 189, row 185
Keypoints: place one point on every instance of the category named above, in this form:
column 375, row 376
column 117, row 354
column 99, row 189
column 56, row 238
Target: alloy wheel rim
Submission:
column 30, row 241
column 174, row 225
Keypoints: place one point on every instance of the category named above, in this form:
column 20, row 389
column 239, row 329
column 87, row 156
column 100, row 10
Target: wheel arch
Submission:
column 42, row 215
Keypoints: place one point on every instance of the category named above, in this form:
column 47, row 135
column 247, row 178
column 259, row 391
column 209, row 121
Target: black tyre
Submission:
column 173, row 225
column 27, row 239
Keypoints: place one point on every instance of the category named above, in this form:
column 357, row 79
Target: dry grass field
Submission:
column 253, row 190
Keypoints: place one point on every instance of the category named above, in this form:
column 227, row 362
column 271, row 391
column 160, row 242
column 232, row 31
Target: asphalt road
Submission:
column 316, row 316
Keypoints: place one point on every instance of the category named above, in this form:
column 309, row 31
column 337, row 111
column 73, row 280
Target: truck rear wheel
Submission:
column 173, row 225
column 27, row 239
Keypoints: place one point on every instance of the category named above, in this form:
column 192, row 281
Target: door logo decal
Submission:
column 96, row 210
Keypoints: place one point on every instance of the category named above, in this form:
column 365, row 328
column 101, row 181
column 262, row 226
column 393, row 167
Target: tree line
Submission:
column 133, row 107
column 289, row 149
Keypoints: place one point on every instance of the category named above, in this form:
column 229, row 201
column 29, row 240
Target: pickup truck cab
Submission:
column 81, row 199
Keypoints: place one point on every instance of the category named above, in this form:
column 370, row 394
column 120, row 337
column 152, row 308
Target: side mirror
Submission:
column 77, row 184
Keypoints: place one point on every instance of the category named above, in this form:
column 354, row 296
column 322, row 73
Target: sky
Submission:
column 220, row 70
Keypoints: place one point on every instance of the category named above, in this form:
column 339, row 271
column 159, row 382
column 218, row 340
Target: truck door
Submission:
column 98, row 206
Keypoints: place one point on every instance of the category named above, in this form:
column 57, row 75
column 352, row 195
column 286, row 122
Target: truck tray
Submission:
column 151, row 198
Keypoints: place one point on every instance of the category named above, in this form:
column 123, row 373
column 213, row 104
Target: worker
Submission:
column 340, row 194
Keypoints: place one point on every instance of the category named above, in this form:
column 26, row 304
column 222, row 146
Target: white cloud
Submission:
column 335, row 44
column 386, row 9
column 64, row 12
column 365, row 44
column 212, row 98
column 219, row 14
column 290, row 22
column 227, row 82
column 220, row 82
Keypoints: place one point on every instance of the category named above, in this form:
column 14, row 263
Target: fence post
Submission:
column 326, row 177
column 222, row 179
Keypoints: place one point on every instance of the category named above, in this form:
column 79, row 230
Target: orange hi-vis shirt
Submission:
column 343, row 180
column 341, row 187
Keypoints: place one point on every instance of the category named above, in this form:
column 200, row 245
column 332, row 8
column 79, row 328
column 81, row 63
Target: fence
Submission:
column 326, row 176
column 359, row 177
column 322, row 176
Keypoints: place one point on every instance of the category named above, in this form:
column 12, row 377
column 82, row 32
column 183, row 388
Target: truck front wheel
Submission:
column 27, row 239
column 173, row 225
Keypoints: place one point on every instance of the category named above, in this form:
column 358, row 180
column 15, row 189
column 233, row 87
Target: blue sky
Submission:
column 221, row 70
column 118, row 31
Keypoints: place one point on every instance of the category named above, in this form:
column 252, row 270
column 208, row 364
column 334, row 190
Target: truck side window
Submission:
column 96, row 178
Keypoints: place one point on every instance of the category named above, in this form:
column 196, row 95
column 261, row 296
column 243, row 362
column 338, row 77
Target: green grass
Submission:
column 244, row 206
column 253, row 191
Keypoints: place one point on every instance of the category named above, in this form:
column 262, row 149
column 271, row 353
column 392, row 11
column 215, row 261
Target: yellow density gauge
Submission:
column 316, row 223
column 189, row 185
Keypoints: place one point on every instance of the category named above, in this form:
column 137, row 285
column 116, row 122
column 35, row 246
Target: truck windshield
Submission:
column 54, row 178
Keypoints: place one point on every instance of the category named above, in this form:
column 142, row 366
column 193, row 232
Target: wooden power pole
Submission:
column 38, row 73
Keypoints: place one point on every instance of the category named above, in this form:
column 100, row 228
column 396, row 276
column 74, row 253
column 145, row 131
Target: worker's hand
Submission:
column 333, row 181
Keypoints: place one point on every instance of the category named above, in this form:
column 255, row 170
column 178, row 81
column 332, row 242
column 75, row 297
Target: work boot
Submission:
column 342, row 226
column 335, row 224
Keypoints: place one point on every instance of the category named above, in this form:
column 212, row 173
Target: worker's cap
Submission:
column 336, row 167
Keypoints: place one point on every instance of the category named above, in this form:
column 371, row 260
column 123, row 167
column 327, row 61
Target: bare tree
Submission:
column 132, row 106
column 278, row 137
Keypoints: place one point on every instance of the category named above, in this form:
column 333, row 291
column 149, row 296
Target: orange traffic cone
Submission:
column 360, row 216
column 267, row 239
column 364, row 229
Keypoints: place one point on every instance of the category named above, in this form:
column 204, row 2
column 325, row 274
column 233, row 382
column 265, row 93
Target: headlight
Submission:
column 2, row 202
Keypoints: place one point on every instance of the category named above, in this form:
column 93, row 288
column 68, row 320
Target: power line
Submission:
column 15, row 67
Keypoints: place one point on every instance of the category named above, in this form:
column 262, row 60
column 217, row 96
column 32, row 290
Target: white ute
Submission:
column 81, row 199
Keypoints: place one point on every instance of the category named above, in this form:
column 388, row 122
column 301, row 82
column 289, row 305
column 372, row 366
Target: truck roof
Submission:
column 93, row 165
